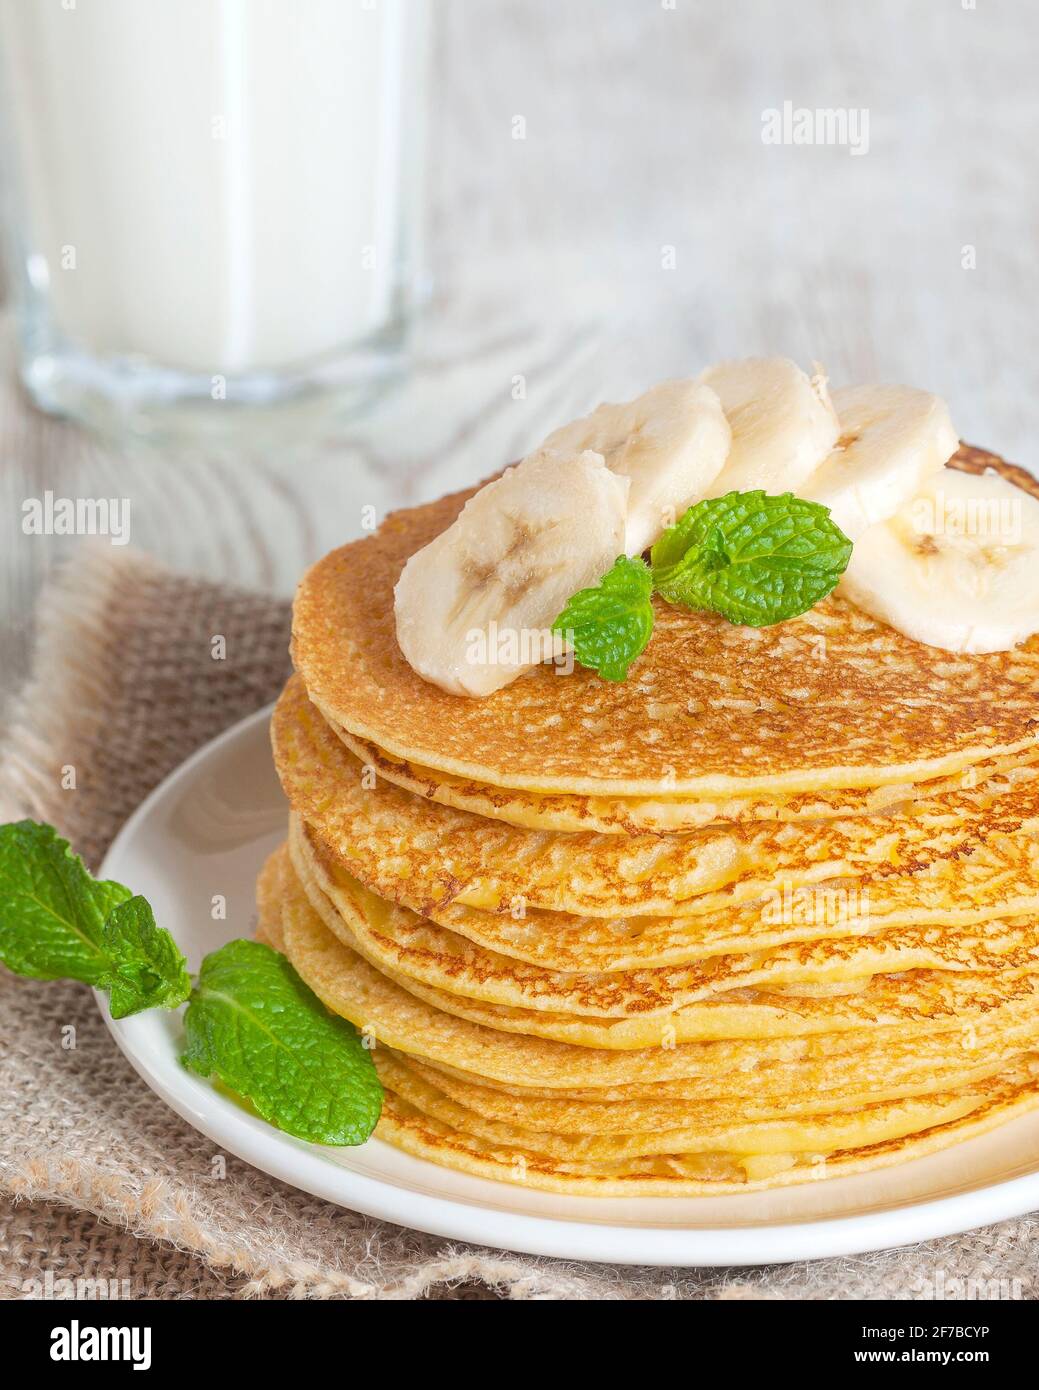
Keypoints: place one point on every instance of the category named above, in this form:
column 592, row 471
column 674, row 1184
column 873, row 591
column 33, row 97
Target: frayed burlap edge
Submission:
column 69, row 682
column 157, row 1211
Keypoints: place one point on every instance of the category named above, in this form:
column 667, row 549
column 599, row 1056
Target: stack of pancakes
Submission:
column 766, row 911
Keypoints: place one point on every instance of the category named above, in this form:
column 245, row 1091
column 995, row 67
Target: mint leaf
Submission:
column 148, row 971
column 610, row 624
column 58, row 922
column 753, row 558
column 255, row 1025
column 52, row 912
column 251, row 1020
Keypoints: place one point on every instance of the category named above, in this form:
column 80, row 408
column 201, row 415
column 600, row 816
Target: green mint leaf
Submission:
column 255, row 1025
column 52, row 912
column 58, row 922
column 753, row 558
column 610, row 624
column 251, row 1021
column 147, row 971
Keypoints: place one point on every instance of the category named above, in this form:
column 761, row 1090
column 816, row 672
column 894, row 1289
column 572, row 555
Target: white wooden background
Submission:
column 643, row 125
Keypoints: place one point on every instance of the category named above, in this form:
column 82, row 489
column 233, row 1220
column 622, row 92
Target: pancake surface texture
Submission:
column 638, row 815
column 765, row 912
column 426, row 854
column 395, row 939
column 830, row 699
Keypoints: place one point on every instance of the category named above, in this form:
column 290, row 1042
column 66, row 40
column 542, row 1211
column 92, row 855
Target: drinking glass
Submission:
column 211, row 207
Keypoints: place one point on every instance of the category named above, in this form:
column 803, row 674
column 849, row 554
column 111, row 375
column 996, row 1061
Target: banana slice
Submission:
column 892, row 439
column 957, row 567
column 671, row 442
column 474, row 608
column 783, row 424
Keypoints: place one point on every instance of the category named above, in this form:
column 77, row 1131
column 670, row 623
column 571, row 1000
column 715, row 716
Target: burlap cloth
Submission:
column 98, row 1179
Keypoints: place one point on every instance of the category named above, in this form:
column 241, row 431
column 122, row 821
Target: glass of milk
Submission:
column 211, row 206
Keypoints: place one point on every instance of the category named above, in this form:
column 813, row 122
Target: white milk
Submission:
column 213, row 185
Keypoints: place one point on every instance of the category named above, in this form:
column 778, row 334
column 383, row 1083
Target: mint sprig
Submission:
column 610, row 624
column 58, row 922
column 750, row 557
column 753, row 558
column 251, row 1021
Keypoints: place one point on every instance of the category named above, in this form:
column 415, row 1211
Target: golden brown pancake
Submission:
column 656, row 815
column 813, row 1133
column 426, row 855
column 997, row 880
column 770, row 1011
column 397, row 940
column 564, row 1114
column 400, row 1019
column 833, row 699
column 687, row 1175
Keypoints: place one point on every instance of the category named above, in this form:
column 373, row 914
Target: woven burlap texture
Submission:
column 102, row 1181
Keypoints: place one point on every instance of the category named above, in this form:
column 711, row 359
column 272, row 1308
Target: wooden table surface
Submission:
column 553, row 287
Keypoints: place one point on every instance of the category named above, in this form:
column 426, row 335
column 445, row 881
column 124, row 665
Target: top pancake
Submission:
column 830, row 699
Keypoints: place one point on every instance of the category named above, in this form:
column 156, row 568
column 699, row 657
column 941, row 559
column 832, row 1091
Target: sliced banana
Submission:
column 782, row 422
column 474, row 608
column 671, row 442
column 892, row 438
column 957, row 567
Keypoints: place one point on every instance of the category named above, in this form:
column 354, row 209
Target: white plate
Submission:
column 206, row 831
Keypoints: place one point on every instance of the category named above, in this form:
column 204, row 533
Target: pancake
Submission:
column 566, row 1115
column 424, row 855
column 821, row 1134
column 915, row 997
column 686, row 1175
column 271, row 900
column 998, row 879
column 832, row 699
column 395, row 939
column 654, row 815
column 397, row 1018
column 794, row 1072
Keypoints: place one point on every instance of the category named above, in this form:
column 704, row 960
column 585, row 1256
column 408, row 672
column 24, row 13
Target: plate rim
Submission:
column 303, row 1166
